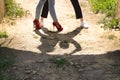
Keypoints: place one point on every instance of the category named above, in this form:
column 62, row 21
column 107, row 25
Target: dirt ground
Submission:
column 88, row 53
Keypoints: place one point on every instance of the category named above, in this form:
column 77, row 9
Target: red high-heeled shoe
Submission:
column 58, row 26
column 37, row 24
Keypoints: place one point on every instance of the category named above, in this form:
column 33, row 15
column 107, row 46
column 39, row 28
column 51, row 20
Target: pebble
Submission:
column 80, row 70
column 14, row 67
column 71, row 63
column 26, row 78
column 34, row 78
column 34, row 72
column 40, row 61
column 28, row 71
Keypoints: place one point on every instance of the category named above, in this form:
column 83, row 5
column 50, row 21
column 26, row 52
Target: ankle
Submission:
column 35, row 20
column 58, row 26
column 56, row 23
column 81, row 19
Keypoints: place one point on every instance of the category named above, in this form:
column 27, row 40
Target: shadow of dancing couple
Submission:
column 50, row 39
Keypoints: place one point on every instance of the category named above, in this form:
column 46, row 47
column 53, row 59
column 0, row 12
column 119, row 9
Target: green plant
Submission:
column 104, row 6
column 3, row 35
column 111, row 37
column 110, row 23
column 13, row 10
column 108, row 7
column 115, row 65
column 59, row 61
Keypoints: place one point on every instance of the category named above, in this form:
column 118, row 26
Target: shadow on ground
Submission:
column 50, row 39
column 33, row 66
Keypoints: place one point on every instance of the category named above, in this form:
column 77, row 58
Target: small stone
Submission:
column 71, row 63
column 23, row 45
column 76, row 63
column 26, row 78
column 80, row 70
column 34, row 72
column 28, row 71
column 40, row 61
column 14, row 67
column 34, row 78
column 77, row 66
column 37, row 68
column 109, row 72
column 89, row 68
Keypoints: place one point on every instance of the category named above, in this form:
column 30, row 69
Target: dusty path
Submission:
column 88, row 55
column 90, row 39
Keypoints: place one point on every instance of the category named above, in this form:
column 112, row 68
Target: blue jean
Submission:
column 51, row 8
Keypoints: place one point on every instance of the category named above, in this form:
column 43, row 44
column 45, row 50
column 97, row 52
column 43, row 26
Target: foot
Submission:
column 58, row 26
column 84, row 25
column 37, row 24
column 41, row 23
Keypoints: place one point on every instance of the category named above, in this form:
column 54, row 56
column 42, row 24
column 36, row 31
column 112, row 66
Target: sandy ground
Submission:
column 89, row 55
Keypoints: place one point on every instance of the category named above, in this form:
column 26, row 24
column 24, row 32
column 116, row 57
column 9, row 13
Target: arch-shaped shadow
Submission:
column 50, row 39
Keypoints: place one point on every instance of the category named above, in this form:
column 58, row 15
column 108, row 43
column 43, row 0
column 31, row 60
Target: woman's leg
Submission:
column 38, row 8
column 37, row 14
column 52, row 10
column 45, row 10
column 53, row 15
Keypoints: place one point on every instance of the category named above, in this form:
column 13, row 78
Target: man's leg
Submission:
column 77, row 9
column 78, row 13
column 45, row 10
column 44, row 13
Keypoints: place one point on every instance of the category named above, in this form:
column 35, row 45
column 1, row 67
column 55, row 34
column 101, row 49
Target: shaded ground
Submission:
column 33, row 66
column 88, row 55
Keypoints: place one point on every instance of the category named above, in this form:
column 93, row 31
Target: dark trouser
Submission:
column 45, row 9
column 77, row 9
column 75, row 4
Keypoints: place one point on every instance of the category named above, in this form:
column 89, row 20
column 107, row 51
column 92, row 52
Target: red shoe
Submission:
column 37, row 24
column 58, row 26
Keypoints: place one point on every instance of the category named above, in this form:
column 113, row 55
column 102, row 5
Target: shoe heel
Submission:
column 36, row 24
column 58, row 26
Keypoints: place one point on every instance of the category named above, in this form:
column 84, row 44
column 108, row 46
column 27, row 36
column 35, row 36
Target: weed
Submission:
column 13, row 10
column 59, row 61
column 115, row 65
column 111, row 37
column 3, row 35
column 108, row 7
column 110, row 23
column 104, row 6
